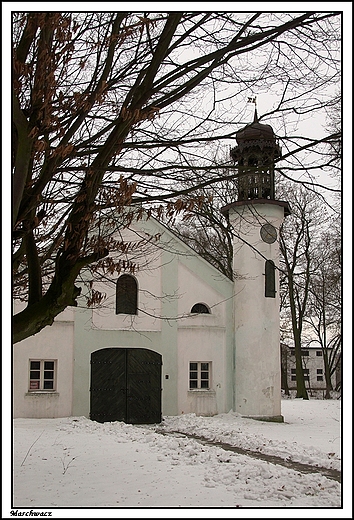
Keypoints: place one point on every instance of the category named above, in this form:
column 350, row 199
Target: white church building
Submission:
column 177, row 336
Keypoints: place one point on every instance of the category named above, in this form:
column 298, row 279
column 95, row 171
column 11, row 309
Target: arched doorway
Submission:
column 125, row 385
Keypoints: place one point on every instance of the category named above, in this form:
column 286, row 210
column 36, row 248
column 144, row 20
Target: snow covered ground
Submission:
column 77, row 463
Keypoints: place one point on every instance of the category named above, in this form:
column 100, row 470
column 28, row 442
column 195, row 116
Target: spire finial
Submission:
column 254, row 100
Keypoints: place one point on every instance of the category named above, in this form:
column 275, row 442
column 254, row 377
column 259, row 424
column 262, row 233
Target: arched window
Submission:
column 200, row 308
column 269, row 279
column 126, row 295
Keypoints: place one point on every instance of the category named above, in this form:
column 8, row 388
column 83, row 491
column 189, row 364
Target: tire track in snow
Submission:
column 273, row 459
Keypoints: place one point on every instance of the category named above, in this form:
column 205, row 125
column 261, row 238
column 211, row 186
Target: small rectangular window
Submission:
column 319, row 371
column 292, row 352
column 293, row 378
column 306, row 371
column 305, row 353
column 42, row 375
column 199, row 375
column 318, row 353
column 293, row 370
column 306, row 378
column 319, row 378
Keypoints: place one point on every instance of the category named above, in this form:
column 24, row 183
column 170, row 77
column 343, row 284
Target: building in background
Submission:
column 314, row 370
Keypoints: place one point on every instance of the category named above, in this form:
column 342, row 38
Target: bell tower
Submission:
column 256, row 217
column 255, row 154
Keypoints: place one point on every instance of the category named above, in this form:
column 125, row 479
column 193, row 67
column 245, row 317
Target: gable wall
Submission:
column 172, row 280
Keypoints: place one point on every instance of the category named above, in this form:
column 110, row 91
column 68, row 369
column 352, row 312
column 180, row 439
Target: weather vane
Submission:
column 254, row 101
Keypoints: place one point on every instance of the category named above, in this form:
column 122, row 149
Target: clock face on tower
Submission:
column 268, row 233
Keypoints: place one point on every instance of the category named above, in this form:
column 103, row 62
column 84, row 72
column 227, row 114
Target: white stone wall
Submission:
column 201, row 338
column 52, row 343
column 148, row 277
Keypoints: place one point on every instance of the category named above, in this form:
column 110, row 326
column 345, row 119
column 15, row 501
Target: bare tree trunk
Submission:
column 284, row 369
column 301, row 391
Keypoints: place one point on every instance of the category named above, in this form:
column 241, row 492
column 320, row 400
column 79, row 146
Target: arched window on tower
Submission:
column 200, row 308
column 127, row 295
column 269, row 279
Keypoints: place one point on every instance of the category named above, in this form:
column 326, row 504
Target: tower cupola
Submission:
column 255, row 154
